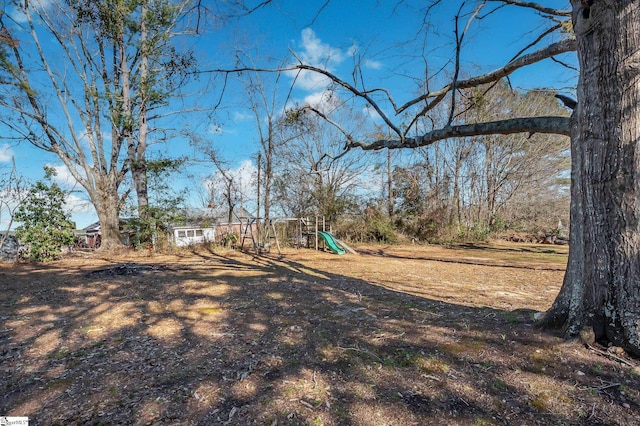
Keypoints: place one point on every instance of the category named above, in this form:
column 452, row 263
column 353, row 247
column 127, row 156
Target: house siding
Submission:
column 185, row 236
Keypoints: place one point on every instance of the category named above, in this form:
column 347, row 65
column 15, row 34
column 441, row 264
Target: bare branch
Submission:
column 563, row 46
column 459, row 40
column 567, row 101
column 535, row 6
column 361, row 94
column 249, row 10
column 313, row 21
column 564, row 64
column 552, row 125
column 338, row 127
column 537, row 40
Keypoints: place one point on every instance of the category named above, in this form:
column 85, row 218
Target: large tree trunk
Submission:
column 602, row 285
column 106, row 203
column 570, row 309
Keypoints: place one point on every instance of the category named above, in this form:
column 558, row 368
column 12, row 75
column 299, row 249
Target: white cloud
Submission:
column 6, row 153
column 325, row 101
column 75, row 205
column 309, row 80
column 243, row 178
column 322, row 55
column 243, row 175
column 229, row 124
column 318, row 54
column 242, row 116
column 314, row 99
column 63, row 176
column 374, row 65
column 246, row 173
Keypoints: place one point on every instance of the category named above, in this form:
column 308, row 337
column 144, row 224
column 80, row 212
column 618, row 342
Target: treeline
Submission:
column 468, row 188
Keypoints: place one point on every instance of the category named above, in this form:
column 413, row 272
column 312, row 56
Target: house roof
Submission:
column 95, row 226
column 216, row 215
column 195, row 217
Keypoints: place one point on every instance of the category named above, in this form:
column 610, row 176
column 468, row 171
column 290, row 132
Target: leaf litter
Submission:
column 394, row 336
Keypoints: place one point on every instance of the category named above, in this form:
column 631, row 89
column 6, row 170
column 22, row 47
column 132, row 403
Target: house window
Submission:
column 199, row 233
column 190, row 233
column 181, row 234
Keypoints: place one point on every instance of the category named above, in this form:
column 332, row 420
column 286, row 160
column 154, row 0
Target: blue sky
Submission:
column 388, row 37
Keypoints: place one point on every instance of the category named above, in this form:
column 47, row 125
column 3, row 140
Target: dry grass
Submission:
column 396, row 336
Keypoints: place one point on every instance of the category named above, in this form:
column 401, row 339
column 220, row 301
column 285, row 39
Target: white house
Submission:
column 208, row 226
column 189, row 235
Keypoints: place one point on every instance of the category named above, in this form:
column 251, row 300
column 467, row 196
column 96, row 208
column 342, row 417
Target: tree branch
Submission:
column 536, row 6
column 361, row 94
column 459, row 40
column 567, row 101
column 563, row 46
column 551, row 125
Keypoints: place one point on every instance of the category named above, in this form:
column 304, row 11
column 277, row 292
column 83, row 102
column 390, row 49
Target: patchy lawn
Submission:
column 407, row 335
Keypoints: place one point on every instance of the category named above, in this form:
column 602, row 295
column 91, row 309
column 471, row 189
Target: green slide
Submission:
column 331, row 243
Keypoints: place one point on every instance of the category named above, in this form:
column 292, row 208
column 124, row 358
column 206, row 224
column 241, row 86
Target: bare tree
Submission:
column 313, row 176
column 85, row 91
column 13, row 191
column 265, row 104
column 518, row 163
column 223, row 177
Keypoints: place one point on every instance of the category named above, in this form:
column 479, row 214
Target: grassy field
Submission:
column 397, row 335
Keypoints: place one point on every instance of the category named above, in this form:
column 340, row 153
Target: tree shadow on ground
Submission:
column 230, row 338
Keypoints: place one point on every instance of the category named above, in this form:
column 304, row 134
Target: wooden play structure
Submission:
column 260, row 241
column 302, row 232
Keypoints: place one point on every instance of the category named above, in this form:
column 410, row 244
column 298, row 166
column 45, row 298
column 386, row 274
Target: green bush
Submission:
column 377, row 229
column 381, row 230
column 230, row 240
column 45, row 228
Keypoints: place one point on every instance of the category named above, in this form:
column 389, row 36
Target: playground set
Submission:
column 299, row 232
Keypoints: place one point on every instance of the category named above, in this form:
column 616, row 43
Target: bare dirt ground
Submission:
column 406, row 335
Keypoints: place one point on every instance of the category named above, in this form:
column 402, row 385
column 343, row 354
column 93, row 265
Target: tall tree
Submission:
column 223, row 184
column 602, row 283
column 83, row 77
column 263, row 98
column 159, row 72
column 312, row 175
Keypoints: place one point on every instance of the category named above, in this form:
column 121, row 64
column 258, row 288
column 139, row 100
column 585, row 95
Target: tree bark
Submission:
column 602, row 284
column 553, row 125
column 107, row 205
column 570, row 310
column 138, row 151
